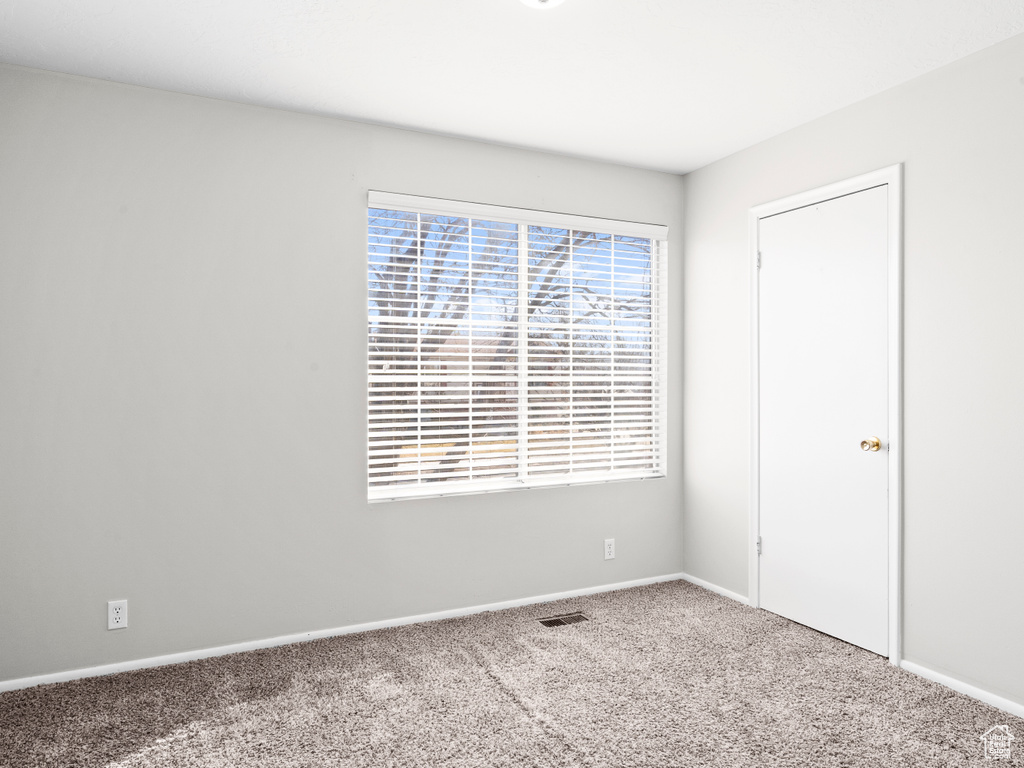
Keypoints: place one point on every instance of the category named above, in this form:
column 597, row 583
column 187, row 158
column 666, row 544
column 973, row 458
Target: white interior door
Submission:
column 823, row 389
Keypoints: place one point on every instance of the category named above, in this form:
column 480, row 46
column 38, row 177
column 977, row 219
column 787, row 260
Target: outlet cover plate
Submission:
column 117, row 614
column 609, row 549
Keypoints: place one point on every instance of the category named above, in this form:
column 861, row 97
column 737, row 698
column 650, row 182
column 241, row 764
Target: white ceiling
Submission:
column 665, row 84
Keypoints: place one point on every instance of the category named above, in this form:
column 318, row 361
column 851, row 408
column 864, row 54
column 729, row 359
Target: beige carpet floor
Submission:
column 661, row 676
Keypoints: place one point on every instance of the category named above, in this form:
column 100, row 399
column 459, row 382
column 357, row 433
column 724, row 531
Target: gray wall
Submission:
column 182, row 381
column 960, row 133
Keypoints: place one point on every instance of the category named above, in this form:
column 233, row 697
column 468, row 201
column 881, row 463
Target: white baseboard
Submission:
column 715, row 588
column 252, row 645
column 1011, row 707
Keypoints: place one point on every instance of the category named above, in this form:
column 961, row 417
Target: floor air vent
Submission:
column 559, row 621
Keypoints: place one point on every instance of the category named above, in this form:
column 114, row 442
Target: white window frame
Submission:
column 523, row 218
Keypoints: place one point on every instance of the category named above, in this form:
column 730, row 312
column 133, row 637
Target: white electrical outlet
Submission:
column 117, row 614
column 609, row 549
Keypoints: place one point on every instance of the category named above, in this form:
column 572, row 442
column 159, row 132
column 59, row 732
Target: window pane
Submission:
column 443, row 341
column 591, row 302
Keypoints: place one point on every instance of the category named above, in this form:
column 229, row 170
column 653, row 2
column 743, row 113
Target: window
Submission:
column 511, row 348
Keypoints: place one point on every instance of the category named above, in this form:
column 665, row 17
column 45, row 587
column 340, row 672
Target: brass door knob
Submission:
column 873, row 444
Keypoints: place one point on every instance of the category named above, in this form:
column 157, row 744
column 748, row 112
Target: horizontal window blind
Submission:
column 504, row 354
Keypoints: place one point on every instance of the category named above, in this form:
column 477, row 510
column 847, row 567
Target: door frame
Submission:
column 893, row 177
